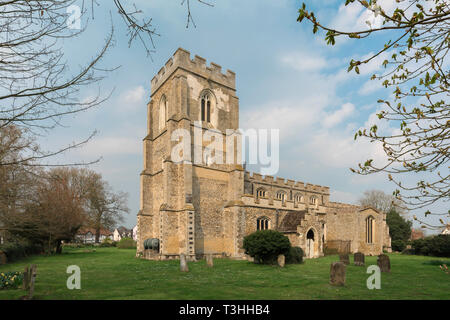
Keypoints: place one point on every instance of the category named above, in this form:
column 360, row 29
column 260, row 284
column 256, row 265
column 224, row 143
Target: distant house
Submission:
column 87, row 235
column 417, row 234
column 135, row 233
column 446, row 229
column 122, row 232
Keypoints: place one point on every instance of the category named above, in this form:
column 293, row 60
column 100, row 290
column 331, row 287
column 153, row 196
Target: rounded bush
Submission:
column 295, row 255
column 265, row 245
column 398, row 245
column 108, row 243
column 126, row 243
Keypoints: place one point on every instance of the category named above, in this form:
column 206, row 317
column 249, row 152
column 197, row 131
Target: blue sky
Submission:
column 286, row 78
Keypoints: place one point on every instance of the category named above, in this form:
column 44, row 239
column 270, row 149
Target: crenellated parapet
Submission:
column 182, row 59
column 285, row 183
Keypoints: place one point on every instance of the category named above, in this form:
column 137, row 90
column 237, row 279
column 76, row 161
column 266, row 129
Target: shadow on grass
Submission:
column 437, row 262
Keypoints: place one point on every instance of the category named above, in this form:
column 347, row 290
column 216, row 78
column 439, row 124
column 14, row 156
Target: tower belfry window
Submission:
column 162, row 113
column 206, row 107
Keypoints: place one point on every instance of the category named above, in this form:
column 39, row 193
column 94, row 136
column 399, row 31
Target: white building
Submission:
column 135, row 233
column 122, row 232
column 87, row 235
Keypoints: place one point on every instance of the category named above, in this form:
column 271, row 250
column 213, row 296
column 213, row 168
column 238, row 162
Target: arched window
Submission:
column 262, row 223
column 281, row 195
column 370, row 226
column 162, row 113
column 298, row 198
column 206, row 107
column 313, row 200
column 261, row 193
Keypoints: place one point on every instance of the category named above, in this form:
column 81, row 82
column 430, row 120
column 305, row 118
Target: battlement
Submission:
column 342, row 205
column 281, row 182
column 182, row 59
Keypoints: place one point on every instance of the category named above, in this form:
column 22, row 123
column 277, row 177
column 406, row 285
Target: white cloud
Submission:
column 302, row 61
column 108, row 146
column 131, row 99
column 343, row 196
column 369, row 87
column 354, row 17
column 339, row 115
column 373, row 65
column 293, row 118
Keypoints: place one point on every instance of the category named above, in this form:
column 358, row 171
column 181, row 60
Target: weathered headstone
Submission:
column 384, row 263
column 29, row 277
column 209, row 260
column 3, row 258
column 344, row 258
column 281, row 260
column 359, row 259
column 337, row 273
column 183, row 264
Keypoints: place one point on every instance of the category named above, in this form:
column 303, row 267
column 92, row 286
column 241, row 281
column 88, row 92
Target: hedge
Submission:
column 16, row 251
column 438, row 246
column 126, row 243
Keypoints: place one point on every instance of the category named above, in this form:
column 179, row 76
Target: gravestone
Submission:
column 384, row 263
column 344, row 258
column 3, row 258
column 183, row 264
column 359, row 259
column 281, row 260
column 29, row 277
column 209, row 260
column 337, row 273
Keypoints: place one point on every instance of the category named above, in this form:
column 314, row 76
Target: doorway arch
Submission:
column 310, row 243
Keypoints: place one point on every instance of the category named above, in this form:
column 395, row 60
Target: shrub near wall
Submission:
column 295, row 255
column 265, row 245
column 126, row 243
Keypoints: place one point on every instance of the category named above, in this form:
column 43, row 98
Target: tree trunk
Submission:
column 58, row 247
column 97, row 235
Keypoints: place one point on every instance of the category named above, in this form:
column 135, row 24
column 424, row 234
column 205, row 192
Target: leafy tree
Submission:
column 416, row 41
column 53, row 214
column 399, row 230
column 381, row 201
column 104, row 208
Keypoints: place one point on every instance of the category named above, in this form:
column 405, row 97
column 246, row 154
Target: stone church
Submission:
column 208, row 208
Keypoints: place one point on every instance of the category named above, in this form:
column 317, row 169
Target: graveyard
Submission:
column 112, row 273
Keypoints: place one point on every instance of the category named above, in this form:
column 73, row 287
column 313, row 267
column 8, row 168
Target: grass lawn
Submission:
column 111, row 273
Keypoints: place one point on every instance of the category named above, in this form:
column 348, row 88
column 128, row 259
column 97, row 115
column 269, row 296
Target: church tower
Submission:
column 182, row 203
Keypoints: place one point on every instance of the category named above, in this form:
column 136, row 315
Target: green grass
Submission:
column 111, row 273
